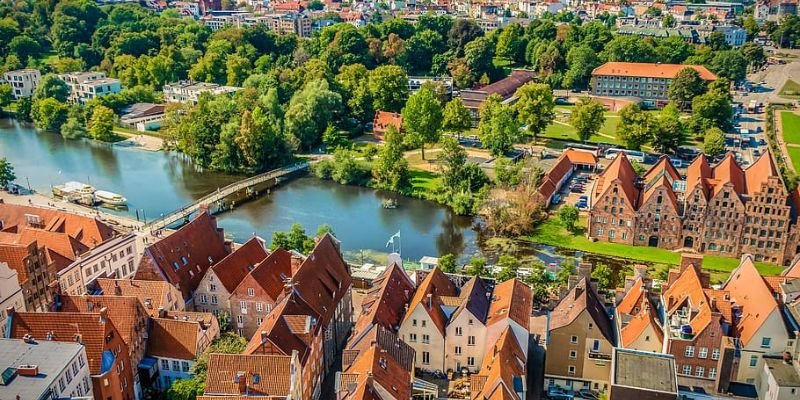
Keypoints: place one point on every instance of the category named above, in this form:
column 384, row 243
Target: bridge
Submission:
column 220, row 194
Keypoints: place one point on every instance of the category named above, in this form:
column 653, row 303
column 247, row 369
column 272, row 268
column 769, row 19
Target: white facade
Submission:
column 116, row 258
column 771, row 337
column 172, row 369
column 189, row 91
column 10, row 294
column 23, row 81
column 734, row 35
column 85, row 86
column 465, row 343
column 45, row 369
column 419, row 332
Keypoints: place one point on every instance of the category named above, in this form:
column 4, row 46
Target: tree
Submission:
column 101, row 125
column 569, row 216
column 310, row 112
column 391, row 169
column 479, row 54
column 346, row 169
column 567, row 269
column 497, row 129
column 456, row 117
column 388, row 85
column 711, row 109
column 669, row 21
column 422, row 118
column 477, row 267
column 421, row 49
column 509, row 266
column 730, row 64
column 582, row 60
column 185, row 389
column 668, row 132
column 355, row 91
column 24, row 109
column 49, row 114
column 685, row 87
column 227, row 343
column 53, row 87
column 635, row 126
column 588, row 116
column 6, row 173
column 511, row 43
column 754, row 54
column 629, row 48
column 72, row 129
column 463, row 31
column 447, row 263
column 604, row 275
column 714, row 142
column 452, row 160
column 673, row 50
column 534, row 107
column 716, row 40
column 506, row 172
column 6, row 96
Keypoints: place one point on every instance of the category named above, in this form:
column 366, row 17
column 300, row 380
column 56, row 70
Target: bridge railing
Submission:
column 223, row 192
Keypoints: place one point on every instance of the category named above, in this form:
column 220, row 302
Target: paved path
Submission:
column 142, row 142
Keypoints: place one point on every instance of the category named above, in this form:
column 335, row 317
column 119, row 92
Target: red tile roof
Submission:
column 750, row 292
column 176, row 338
column 384, row 119
column 150, row 293
column 619, row 172
column 511, row 299
column 126, row 313
column 375, row 367
column 14, row 255
column 235, row 266
column 278, row 334
column 639, row 324
column 688, row 290
column 183, row 257
column 632, row 302
column 436, row 284
column 384, row 304
column 581, row 157
column 274, row 374
column 271, row 275
column 503, row 363
column 89, row 231
column 650, row 70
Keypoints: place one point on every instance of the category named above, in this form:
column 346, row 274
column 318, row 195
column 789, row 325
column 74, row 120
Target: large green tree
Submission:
column 582, row 60
column 534, row 107
column 587, row 117
column 390, row 170
column 456, row 117
column 49, row 114
column 6, row 172
column 388, row 85
column 51, row 86
column 714, row 142
column 422, row 118
column 635, row 126
column 669, row 131
column 497, row 129
column 101, row 124
column 686, row 85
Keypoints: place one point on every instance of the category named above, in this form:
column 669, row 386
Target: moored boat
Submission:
column 110, row 198
column 73, row 189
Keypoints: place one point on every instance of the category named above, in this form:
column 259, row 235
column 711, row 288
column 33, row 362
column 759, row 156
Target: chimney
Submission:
column 296, row 262
column 787, row 357
column 28, row 370
column 117, row 289
column 162, row 313
column 202, row 324
column 694, row 260
column 103, row 315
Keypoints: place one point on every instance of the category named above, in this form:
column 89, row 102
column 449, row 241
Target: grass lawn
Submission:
column 134, row 132
column 790, row 89
column 794, row 154
column 561, row 130
column 553, row 233
column 790, row 124
column 423, row 181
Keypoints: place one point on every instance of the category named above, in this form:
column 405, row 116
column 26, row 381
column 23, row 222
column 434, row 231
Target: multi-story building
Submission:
column 10, row 293
column 636, row 318
column 190, row 91
column 154, row 295
column 106, row 352
column 23, row 81
column 647, row 81
column 221, row 280
column 114, row 258
column 255, row 296
column 290, row 22
column 176, row 339
column 44, row 370
column 503, row 374
column 415, row 83
column 721, row 210
column 183, row 257
column 239, row 375
column 465, row 330
column 580, row 339
column 642, row 375
column 85, row 86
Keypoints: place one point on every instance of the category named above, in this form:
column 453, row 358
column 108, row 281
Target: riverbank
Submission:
column 552, row 232
column 139, row 142
column 42, row 201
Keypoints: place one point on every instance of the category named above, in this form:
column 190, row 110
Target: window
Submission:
column 165, row 365
column 703, row 353
column 426, row 357
column 687, row 369
column 699, row 371
column 715, row 354
column 412, row 337
column 458, row 350
column 573, row 355
column 212, row 287
column 240, row 319
column 259, row 307
column 413, row 322
column 596, row 346
column 61, row 385
column 765, row 342
column 251, row 292
column 203, row 299
column 712, row 373
column 185, row 366
column 470, row 322
column 573, row 340
column 176, row 365
column 471, row 361
column 571, row 370
column 423, row 323
column 470, row 340
column 459, row 331
column 426, row 339
column 243, row 306
column 689, row 352
column 213, row 299
column 753, row 361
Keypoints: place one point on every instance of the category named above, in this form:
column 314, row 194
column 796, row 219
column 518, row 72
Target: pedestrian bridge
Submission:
column 217, row 197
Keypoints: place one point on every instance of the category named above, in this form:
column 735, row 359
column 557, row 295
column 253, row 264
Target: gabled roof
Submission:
column 89, row 231
column 279, row 333
column 372, row 367
column 150, row 293
column 474, row 297
column 435, row 284
column 64, row 327
column 127, row 313
column 761, row 170
column 621, row 171
column 631, row 303
column 697, row 173
column 689, row 289
column 582, row 298
column 183, row 257
column 582, row 157
column 503, row 369
column 639, row 324
column 176, row 338
column 235, row 266
column 511, row 299
column 65, row 247
column 750, row 292
column 663, row 167
column 661, row 175
column 392, row 345
column 271, row 274
column 14, row 255
column 274, row 374
column 384, row 305
column 793, row 271
column 728, row 171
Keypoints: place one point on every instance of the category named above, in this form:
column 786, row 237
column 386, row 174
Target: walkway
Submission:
column 222, row 193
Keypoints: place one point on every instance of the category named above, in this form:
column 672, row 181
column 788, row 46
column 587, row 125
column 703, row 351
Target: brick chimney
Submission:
column 264, row 337
column 688, row 259
column 117, row 289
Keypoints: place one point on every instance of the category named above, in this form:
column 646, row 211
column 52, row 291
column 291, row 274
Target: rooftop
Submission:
column 50, row 357
column 644, row 370
column 654, row 70
column 785, row 374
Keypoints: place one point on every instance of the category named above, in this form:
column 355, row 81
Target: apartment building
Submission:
column 190, row 91
column 44, row 370
column 183, row 257
column 176, row 340
column 282, row 23
column 647, row 81
column 23, row 82
column 10, row 293
column 106, row 352
column 724, row 210
column 465, row 331
column 580, row 339
column 154, row 295
column 222, row 278
column 84, row 86
column 115, row 258
column 642, row 375
column 636, row 320
column 503, row 374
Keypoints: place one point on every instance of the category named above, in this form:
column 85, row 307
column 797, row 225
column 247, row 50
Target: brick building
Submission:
column 647, row 81
column 721, row 210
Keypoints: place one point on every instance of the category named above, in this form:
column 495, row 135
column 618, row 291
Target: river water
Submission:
column 159, row 182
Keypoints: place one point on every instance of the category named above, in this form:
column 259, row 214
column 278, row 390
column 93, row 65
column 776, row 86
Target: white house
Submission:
column 10, row 294
column 85, row 86
column 44, row 370
column 22, row 81
column 175, row 341
column 465, row 340
column 114, row 258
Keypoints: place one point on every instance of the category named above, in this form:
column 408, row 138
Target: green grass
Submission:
column 790, row 89
column 790, row 124
column 553, row 233
column 134, row 132
column 423, row 181
column 794, row 154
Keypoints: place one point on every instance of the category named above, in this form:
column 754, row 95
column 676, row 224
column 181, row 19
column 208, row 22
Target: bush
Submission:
column 370, row 151
column 462, row 203
column 323, row 169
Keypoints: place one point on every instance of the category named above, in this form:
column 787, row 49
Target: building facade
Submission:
column 85, row 86
column 115, row 259
column 10, row 294
column 650, row 82
column 44, row 370
column 23, row 82
column 190, row 91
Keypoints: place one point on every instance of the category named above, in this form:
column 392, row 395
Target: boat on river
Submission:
column 110, row 198
column 73, row 189
column 389, row 203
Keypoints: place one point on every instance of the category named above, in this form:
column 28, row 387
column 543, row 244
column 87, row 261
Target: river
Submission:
column 159, row 182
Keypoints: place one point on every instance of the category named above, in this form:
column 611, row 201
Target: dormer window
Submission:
column 175, row 265
column 184, row 260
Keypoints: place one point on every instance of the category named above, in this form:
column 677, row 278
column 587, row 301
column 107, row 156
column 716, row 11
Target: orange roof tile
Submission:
column 89, row 231
column 277, row 334
column 650, row 70
column 384, row 305
column 374, row 367
column 582, row 157
column 620, row 172
column 14, row 255
column 688, row 288
column 384, row 119
column 749, row 291
column 582, row 298
column 631, row 303
column 435, row 284
column 511, row 299
column 728, row 171
column 503, row 363
column 274, row 374
column 175, row 338
column 793, row 271
column 696, row 174
column 235, row 266
column 760, row 171
column 127, row 313
column 150, row 293
column 271, row 274
column 637, row 326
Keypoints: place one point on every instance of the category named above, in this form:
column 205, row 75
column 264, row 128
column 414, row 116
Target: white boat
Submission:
column 110, row 198
column 73, row 189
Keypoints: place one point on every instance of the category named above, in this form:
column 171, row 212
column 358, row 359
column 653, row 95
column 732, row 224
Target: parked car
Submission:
column 581, row 204
column 756, row 153
column 587, row 394
column 762, row 142
column 554, row 392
